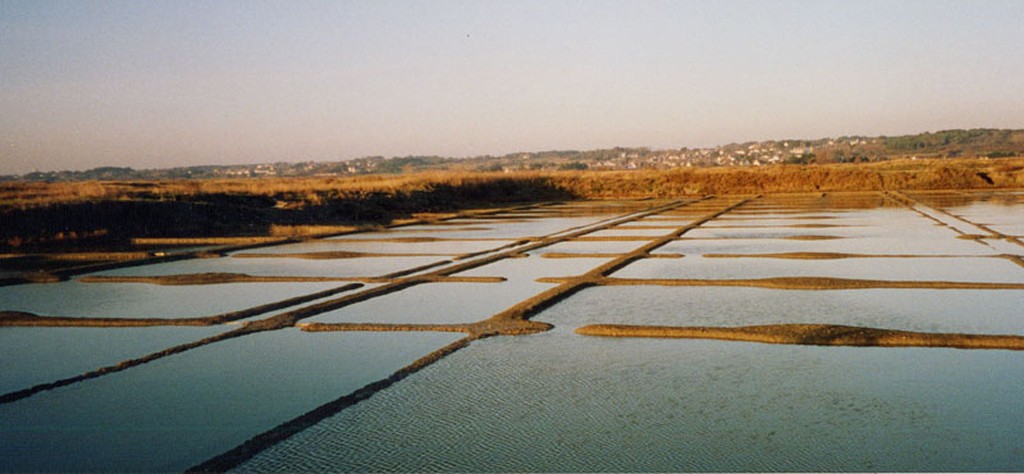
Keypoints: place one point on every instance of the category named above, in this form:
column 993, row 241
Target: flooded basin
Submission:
column 455, row 347
column 948, row 311
column 175, row 412
column 560, row 402
column 142, row 300
column 33, row 355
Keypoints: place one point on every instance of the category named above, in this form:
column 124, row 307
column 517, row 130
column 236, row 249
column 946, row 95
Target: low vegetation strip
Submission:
column 43, row 214
column 207, row 279
column 808, row 283
column 812, row 334
column 17, row 318
column 828, row 255
column 336, row 255
column 171, row 241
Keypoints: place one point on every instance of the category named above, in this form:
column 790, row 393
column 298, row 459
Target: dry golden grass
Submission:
column 812, row 334
column 902, row 174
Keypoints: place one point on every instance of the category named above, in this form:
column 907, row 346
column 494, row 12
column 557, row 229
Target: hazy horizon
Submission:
column 166, row 84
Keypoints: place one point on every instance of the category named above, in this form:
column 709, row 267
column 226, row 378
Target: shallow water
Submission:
column 178, row 411
column 447, row 303
column 554, row 401
column 628, row 232
column 337, row 268
column 987, row 270
column 892, row 244
column 590, row 247
column 144, row 300
column 560, row 402
column 959, row 311
column 501, row 230
column 33, row 355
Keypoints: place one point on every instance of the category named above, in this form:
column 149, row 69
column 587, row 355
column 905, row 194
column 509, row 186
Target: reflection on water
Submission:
column 554, row 401
column 991, row 270
column 892, row 244
column 143, row 300
column 177, row 411
column 34, row 355
column 966, row 311
column 560, row 402
column 436, row 303
column 345, row 267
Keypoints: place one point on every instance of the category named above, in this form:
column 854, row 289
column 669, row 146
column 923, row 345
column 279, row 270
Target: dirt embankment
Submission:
column 812, row 334
column 63, row 214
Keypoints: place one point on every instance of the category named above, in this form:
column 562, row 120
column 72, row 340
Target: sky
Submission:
column 156, row 84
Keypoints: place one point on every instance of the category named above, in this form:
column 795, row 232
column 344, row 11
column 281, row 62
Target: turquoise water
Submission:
column 33, row 356
column 561, row 402
column 178, row 411
column 555, row 401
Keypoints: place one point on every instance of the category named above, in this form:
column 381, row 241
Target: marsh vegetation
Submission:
column 854, row 279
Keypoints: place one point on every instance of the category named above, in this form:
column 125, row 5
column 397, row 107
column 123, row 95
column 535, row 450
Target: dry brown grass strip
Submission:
column 420, row 240
column 812, row 334
column 17, row 318
column 463, row 279
column 808, row 283
column 617, row 238
column 816, row 226
column 811, row 237
column 207, row 279
column 579, row 255
column 832, row 255
column 647, row 227
column 477, row 330
column 336, row 255
column 175, row 241
column 383, row 327
column 604, row 255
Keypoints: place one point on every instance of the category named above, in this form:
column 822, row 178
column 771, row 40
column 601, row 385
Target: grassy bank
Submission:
column 67, row 214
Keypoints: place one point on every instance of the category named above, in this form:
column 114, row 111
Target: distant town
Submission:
column 975, row 143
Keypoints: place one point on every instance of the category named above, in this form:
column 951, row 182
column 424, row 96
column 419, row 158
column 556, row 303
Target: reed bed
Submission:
column 900, row 174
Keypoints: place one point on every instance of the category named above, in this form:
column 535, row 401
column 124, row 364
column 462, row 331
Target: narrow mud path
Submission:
column 512, row 321
column 391, row 283
column 812, row 334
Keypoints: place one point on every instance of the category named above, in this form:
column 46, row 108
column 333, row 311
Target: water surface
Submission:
column 143, row 300
column 36, row 355
column 560, row 402
column 178, row 411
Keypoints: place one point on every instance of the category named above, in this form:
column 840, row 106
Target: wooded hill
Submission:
column 988, row 143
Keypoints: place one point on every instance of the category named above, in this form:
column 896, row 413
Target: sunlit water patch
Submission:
column 509, row 230
column 143, row 300
column 178, row 411
column 561, row 402
column 628, row 232
column 952, row 311
column 436, row 303
column 892, row 244
column 590, row 247
column 528, row 269
column 986, row 270
column 381, row 245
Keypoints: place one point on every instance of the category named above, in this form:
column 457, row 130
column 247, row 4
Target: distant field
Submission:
column 114, row 212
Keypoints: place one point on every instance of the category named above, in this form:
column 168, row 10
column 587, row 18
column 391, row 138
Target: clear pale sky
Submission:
column 152, row 84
